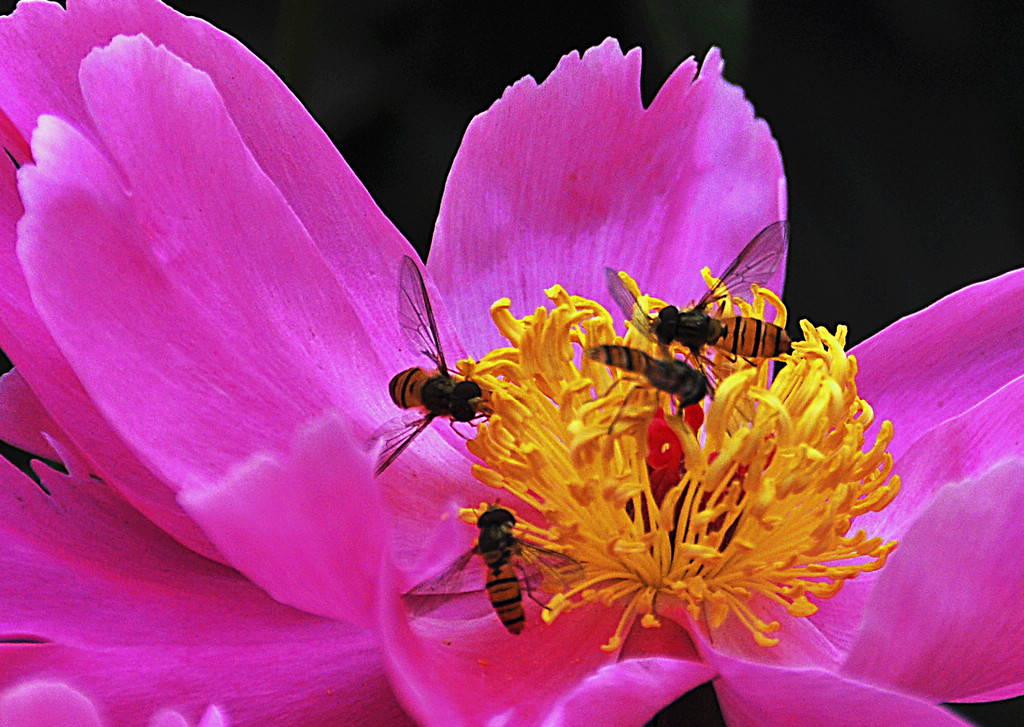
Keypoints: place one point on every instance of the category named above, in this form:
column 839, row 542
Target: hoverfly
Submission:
column 506, row 560
column 436, row 393
column 670, row 375
column 695, row 328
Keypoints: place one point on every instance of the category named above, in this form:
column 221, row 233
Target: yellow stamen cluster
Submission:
column 767, row 492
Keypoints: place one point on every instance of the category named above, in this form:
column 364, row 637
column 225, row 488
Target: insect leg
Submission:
column 623, row 407
column 529, row 592
column 451, row 423
column 614, row 384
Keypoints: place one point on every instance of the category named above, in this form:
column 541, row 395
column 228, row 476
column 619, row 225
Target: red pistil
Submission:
column 665, row 453
column 664, row 457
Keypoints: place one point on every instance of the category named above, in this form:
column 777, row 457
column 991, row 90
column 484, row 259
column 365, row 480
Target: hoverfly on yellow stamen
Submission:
column 757, row 519
column 435, row 393
column 745, row 337
column 511, row 564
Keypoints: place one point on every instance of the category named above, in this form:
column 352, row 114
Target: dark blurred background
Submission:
column 901, row 125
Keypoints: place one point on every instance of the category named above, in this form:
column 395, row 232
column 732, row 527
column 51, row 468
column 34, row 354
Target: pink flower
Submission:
column 198, row 296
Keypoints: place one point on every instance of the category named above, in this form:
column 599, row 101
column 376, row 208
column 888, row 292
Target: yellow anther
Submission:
column 758, row 509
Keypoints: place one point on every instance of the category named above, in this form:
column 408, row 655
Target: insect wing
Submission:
column 620, row 293
column 456, row 580
column 627, row 302
column 755, row 263
column 539, row 567
column 416, row 316
column 394, row 435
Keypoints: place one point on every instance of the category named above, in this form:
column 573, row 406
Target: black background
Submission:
column 901, row 126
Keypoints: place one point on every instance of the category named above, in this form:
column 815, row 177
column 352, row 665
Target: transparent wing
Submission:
column 620, row 293
column 416, row 316
column 456, row 580
column 394, row 435
column 541, row 568
column 755, row 263
column 628, row 303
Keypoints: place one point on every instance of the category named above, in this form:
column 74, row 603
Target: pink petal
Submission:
column 557, row 180
column 199, row 400
column 289, row 147
column 212, row 717
column 753, row 695
column 23, row 421
column 108, row 602
column 838, row 618
column 963, row 447
column 424, row 487
column 51, row 379
column 168, row 718
column 913, row 374
column 944, row 620
column 628, row 692
column 36, row 32
column 48, row 46
column 14, row 145
column 305, row 526
column 46, row 704
column 801, row 641
column 451, row 672
column 185, row 237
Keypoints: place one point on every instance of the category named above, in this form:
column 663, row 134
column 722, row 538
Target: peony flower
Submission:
column 198, row 296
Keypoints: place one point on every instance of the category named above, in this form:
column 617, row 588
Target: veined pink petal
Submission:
column 67, row 403
column 168, row 718
column 801, row 641
column 219, row 283
column 23, row 336
column 754, row 695
column 944, row 619
column 107, row 454
column 23, row 421
column 654, row 668
column 212, row 717
column 557, row 180
column 548, row 675
column 46, row 704
column 14, row 144
column 931, row 451
column 335, row 210
column 629, row 692
column 287, row 144
column 962, row 447
column 915, row 373
column 306, row 526
column 426, row 485
column 98, row 595
column 219, row 329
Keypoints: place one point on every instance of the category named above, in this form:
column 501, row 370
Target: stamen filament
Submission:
column 766, row 491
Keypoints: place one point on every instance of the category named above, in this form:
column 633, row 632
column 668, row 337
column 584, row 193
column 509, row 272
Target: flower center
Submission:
column 747, row 496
